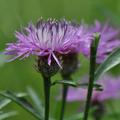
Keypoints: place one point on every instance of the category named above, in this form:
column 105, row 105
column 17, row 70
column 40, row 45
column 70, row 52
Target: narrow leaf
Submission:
column 111, row 61
column 4, row 116
column 77, row 84
column 37, row 101
column 65, row 82
column 96, row 86
column 21, row 102
column 5, row 102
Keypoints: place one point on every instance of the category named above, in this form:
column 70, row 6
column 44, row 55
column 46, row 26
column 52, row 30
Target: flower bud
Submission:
column 70, row 64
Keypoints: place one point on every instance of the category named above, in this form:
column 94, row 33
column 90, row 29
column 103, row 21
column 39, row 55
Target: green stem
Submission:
column 47, row 85
column 93, row 51
column 64, row 97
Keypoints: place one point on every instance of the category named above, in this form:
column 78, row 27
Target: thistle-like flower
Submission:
column 111, row 90
column 50, row 39
column 109, row 41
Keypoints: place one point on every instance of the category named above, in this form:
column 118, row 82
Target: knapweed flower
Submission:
column 109, row 40
column 111, row 90
column 50, row 39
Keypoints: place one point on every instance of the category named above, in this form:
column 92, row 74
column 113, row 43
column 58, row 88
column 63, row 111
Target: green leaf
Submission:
column 22, row 102
column 4, row 116
column 111, row 61
column 65, row 82
column 6, row 101
column 20, row 95
column 77, row 84
column 36, row 100
column 96, row 86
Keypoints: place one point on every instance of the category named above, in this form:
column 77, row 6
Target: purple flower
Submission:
column 49, row 38
column 111, row 90
column 108, row 42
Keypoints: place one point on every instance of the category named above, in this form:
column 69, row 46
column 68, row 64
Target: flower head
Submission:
column 111, row 90
column 108, row 42
column 49, row 38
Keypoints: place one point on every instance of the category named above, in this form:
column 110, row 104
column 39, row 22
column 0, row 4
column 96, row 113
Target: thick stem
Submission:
column 64, row 97
column 93, row 51
column 47, row 84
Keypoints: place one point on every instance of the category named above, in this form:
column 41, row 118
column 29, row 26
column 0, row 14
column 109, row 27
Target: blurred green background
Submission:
column 14, row 14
